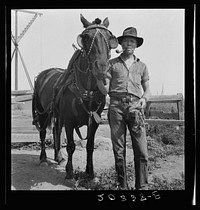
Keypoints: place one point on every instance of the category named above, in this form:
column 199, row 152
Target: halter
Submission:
column 97, row 27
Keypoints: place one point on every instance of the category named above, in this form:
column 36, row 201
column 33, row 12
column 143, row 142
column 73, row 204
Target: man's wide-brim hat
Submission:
column 130, row 32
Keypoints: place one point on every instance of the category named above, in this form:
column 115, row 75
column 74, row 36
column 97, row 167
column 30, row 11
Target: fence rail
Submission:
column 166, row 98
column 178, row 99
column 156, row 122
column 20, row 96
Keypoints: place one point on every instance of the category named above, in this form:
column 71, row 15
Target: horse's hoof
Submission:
column 70, row 182
column 43, row 163
column 89, row 175
column 69, row 176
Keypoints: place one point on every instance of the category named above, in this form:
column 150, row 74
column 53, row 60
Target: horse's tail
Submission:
column 37, row 110
column 34, row 105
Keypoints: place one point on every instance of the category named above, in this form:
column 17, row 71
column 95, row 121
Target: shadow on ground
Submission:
column 27, row 174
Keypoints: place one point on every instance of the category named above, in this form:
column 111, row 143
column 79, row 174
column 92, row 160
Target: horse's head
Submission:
column 96, row 41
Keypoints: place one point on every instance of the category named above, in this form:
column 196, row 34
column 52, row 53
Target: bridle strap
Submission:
column 97, row 31
column 92, row 43
column 96, row 26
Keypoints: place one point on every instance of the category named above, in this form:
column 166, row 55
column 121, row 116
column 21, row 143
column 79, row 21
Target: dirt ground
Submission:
column 27, row 174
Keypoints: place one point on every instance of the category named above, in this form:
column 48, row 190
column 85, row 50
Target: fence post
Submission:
column 180, row 107
column 147, row 109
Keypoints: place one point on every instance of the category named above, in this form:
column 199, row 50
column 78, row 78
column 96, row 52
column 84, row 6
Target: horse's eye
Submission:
column 113, row 42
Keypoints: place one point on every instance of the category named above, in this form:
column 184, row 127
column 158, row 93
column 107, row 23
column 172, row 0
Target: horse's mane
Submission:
column 67, row 76
column 69, row 69
column 65, row 80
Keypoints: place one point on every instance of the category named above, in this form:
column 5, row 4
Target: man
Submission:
column 128, row 88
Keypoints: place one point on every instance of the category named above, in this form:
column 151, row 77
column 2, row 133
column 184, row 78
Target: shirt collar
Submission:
column 135, row 58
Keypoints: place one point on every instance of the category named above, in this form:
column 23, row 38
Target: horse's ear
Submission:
column 106, row 22
column 85, row 22
column 79, row 41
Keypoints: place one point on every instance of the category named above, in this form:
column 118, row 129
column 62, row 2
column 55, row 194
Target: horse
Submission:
column 75, row 96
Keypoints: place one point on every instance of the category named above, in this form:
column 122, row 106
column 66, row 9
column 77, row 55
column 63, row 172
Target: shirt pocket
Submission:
column 135, row 77
column 119, row 75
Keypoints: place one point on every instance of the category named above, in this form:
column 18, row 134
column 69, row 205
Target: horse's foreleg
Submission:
column 90, row 149
column 70, row 150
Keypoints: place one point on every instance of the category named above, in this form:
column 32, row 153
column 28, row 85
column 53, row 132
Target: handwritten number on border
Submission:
column 123, row 197
column 155, row 196
column 133, row 198
column 111, row 197
column 100, row 197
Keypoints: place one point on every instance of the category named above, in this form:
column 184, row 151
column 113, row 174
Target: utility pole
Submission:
column 162, row 91
column 16, row 52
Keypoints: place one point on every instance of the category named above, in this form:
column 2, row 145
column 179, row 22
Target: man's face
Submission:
column 128, row 45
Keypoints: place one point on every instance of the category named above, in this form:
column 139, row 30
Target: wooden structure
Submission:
column 16, row 39
column 20, row 96
column 178, row 99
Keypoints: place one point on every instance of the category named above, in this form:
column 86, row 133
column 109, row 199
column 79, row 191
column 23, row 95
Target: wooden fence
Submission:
column 175, row 118
column 166, row 118
column 179, row 116
column 20, row 96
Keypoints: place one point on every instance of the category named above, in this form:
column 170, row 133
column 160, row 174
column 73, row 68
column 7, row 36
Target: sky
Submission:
column 48, row 42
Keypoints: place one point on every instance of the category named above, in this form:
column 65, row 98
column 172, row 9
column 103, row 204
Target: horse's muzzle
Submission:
column 100, row 69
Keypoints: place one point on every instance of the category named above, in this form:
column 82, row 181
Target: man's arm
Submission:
column 103, row 88
column 145, row 97
column 104, row 83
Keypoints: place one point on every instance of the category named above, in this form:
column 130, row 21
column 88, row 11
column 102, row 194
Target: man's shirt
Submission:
column 124, row 80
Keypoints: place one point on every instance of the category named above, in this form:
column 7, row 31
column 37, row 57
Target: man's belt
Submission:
column 125, row 99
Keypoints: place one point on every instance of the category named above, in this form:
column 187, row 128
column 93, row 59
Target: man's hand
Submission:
column 142, row 103
column 103, row 88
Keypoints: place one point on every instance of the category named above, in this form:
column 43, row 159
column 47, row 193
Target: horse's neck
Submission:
column 83, row 74
column 82, row 63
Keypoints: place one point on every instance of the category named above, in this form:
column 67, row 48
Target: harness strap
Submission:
column 49, row 75
column 89, row 130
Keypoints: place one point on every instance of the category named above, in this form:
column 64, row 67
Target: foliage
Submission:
column 165, row 184
column 49, row 143
column 106, row 180
column 165, row 107
column 167, row 134
column 26, row 146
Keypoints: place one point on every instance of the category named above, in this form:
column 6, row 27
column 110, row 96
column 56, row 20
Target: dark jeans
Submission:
column 118, row 125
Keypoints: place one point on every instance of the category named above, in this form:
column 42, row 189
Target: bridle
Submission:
column 86, row 53
column 98, row 28
column 97, row 31
column 90, row 95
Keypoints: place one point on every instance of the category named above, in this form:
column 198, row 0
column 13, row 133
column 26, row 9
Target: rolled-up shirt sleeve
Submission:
column 145, row 75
